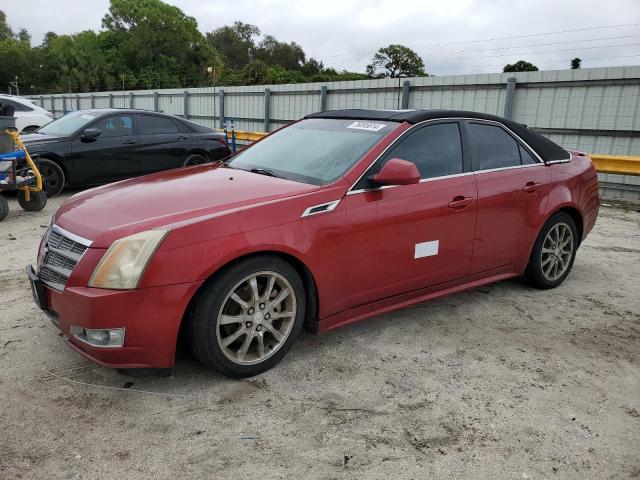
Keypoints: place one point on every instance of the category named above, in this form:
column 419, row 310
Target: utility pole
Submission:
column 123, row 99
column 14, row 84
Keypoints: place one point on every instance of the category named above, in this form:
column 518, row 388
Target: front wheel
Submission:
column 53, row 179
column 553, row 253
column 245, row 320
column 4, row 208
column 37, row 201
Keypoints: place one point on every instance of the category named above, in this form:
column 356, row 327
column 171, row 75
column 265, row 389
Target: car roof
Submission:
column 17, row 98
column 545, row 148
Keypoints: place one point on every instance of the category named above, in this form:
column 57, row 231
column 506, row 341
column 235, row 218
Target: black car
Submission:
column 92, row 147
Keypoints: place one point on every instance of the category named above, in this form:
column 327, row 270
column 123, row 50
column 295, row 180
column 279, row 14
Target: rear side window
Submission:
column 492, row 147
column 526, row 157
column 151, row 125
column 18, row 107
column 435, row 149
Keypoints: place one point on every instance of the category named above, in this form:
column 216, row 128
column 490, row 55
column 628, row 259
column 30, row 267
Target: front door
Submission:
column 111, row 156
column 405, row 238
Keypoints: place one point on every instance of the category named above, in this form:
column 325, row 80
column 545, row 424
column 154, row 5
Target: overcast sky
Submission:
column 346, row 33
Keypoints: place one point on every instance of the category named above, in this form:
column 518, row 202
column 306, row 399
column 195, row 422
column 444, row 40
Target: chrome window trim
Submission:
column 330, row 206
column 456, row 119
column 72, row 236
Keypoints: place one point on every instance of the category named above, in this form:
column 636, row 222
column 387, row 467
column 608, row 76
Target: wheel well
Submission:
column 311, row 292
column 54, row 159
column 197, row 151
column 577, row 218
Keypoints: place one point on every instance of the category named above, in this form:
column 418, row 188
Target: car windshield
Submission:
column 316, row 150
column 69, row 124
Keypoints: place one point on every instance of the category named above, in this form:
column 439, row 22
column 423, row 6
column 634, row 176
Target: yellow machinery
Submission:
column 19, row 172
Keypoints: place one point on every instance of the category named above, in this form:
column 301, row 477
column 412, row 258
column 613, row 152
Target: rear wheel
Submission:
column 195, row 159
column 246, row 319
column 37, row 201
column 53, row 178
column 553, row 253
column 4, row 208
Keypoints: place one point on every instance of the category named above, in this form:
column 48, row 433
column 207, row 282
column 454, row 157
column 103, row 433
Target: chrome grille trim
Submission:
column 62, row 252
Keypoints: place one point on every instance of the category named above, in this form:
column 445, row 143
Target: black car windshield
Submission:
column 69, row 124
column 316, row 150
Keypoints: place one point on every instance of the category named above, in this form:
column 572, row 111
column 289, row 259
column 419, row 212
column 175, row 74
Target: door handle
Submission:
column 182, row 137
column 129, row 142
column 531, row 187
column 460, row 202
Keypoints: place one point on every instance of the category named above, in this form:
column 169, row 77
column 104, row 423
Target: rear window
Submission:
column 315, row 150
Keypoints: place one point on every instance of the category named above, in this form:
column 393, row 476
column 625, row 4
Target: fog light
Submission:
column 113, row 337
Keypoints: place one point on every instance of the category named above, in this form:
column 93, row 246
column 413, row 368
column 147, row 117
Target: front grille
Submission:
column 61, row 252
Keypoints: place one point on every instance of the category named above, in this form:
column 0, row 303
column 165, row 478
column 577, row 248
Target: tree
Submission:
column 576, row 63
column 5, row 31
column 287, row 55
column 396, row 61
column 235, row 43
column 520, row 66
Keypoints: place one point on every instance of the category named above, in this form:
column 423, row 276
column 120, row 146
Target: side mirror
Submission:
column 90, row 134
column 397, row 172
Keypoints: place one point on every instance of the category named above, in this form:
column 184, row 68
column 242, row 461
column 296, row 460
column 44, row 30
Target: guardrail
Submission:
column 616, row 164
column 622, row 165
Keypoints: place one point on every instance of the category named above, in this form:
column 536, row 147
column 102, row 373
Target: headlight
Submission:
column 121, row 268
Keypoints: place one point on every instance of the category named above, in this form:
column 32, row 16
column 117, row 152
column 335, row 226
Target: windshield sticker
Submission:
column 87, row 117
column 370, row 126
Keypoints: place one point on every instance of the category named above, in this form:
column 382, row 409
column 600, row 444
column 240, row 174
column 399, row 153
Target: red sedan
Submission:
column 335, row 218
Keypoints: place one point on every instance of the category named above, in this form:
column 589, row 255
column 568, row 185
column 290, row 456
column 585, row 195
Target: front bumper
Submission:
column 151, row 317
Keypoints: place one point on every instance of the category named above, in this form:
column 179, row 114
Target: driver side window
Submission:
column 115, row 126
column 435, row 149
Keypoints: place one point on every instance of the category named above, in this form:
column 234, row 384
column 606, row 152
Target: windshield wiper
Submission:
column 264, row 171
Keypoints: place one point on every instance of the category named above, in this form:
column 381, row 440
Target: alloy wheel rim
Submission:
column 51, row 177
column 256, row 318
column 557, row 250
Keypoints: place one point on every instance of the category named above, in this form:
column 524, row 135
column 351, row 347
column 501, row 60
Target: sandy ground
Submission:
column 500, row 382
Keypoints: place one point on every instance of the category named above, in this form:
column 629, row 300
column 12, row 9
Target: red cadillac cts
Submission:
column 335, row 218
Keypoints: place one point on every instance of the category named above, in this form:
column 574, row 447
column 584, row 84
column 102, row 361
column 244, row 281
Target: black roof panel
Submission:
column 548, row 150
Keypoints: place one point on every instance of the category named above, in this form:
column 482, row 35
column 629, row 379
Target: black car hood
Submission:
column 39, row 139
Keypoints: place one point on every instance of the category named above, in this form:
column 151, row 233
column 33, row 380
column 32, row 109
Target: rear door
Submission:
column 112, row 155
column 163, row 144
column 405, row 238
column 512, row 189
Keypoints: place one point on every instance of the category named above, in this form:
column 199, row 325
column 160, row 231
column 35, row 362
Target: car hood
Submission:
column 39, row 139
column 163, row 199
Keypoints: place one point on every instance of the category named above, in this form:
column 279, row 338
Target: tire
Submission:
column 552, row 248
column 195, row 159
column 53, row 178
column 29, row 129
column 249, row 319
column 4, row 208
column 37, row 201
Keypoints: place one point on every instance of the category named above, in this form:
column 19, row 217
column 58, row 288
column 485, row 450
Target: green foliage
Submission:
column 148, row 44
column 520, row 66
column 396, row 61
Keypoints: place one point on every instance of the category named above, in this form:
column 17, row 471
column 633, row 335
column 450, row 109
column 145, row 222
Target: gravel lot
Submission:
column 500, row 382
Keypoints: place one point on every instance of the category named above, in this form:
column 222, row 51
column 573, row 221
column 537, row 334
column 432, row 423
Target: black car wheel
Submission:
column 195, row 159
column 4, row 208
column 553, row 253
column 53, row 178
column 245, row 321
column 37, row 201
